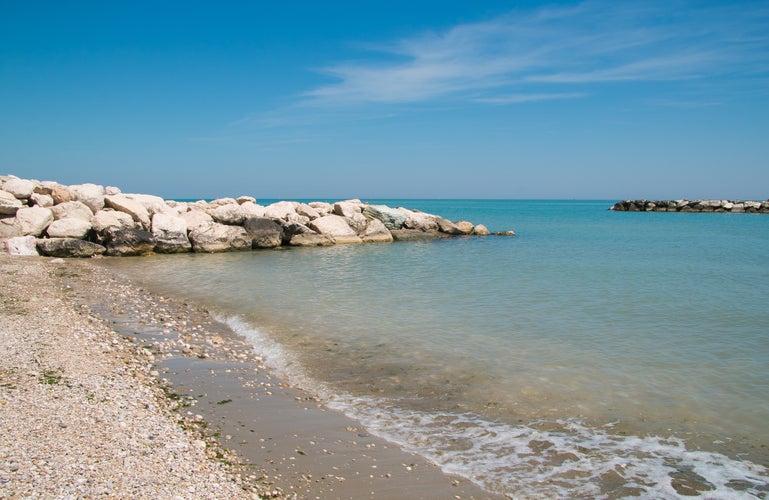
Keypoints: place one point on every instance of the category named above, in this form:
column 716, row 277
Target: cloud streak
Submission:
column 556, row 53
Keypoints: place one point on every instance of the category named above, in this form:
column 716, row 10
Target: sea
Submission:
column 596, row 354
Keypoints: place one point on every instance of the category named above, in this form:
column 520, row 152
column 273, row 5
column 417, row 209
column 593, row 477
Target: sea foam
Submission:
column 562, row 458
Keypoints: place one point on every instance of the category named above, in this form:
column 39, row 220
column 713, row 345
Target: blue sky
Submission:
column 597, row 99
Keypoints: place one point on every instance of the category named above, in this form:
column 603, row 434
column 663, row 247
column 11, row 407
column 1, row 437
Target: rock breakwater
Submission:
column 52, row 219
column 692, row 206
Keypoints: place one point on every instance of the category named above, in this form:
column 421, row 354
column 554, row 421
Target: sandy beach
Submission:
column 107, row 389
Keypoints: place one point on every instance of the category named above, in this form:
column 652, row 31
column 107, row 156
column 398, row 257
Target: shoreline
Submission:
column 276, row 439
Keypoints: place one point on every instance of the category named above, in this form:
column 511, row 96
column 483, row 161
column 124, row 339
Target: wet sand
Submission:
column 276, row 437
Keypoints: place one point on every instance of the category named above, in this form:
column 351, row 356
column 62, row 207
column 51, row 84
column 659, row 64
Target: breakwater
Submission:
column 83, row 220
column 692, row 206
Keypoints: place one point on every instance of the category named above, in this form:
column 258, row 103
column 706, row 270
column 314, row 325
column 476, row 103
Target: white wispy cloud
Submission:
column 554, row 53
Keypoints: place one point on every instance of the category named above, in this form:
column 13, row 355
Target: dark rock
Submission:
column 128, row 241
column 299, row 235
column 265, row 233
column 69, row 247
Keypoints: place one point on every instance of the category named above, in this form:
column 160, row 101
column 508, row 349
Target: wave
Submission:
column 561, row 458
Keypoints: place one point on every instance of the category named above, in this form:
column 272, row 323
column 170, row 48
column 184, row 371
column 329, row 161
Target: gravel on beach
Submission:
column 81, row 414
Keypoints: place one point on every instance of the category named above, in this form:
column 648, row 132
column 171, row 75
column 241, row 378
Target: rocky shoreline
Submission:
column 110, row 390
column 82, row 414
column 730, row 206
column 83, row 220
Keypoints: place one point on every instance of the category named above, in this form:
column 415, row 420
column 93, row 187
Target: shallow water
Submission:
column 595, row 354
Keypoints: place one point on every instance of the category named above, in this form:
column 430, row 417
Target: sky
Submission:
column 299, row 99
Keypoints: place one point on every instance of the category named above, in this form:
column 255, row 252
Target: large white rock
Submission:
column 104, row 219
column 465, row 227
column 419, row 220
column 307, row 211
column 281, row 210
column 196, row 218
column 376, row 232
column 170, row 233
column 9, row 204
column 90, row 194
column 336, row 228
column 72, row 209
column 22, row 245
column 251, row 209
column 215, row 237
column 322, row 207
column 133, row 208
column 34, row 220
column 222, row 201
column 348, row 208
column 245, row 199
column 19, row 188
column 41, row 200
column 10, row 227
column 69, row 227
column 153, row 204
column 231, row 214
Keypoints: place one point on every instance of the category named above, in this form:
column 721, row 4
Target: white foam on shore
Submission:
column 557, row 459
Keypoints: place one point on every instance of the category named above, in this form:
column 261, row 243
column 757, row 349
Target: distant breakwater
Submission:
column 692, row 206
column 85, row 220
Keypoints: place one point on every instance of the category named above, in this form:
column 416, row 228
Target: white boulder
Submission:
column 136, row 210
column 104, row 219
column 231, row 214
column 34, row 220
column 215, row 237
column 170, row 233
column 22, row 245
column 196, row 218
column 376, row 232
column 19, row 188
column 281, row 210
column 90, row 194
column 72, row 209
column 251, row 209
column 69, row 227
column 41, row 200
column 336, row 228
column 9, row 204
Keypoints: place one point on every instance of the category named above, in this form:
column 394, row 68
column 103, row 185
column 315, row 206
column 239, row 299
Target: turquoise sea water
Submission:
column 596, row 354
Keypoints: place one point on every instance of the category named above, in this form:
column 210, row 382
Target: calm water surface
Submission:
column 596, row 354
